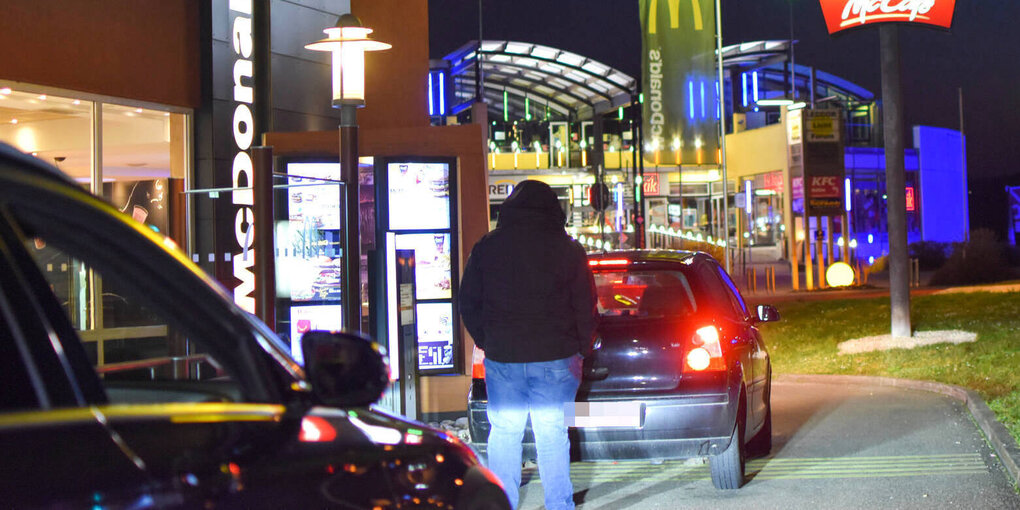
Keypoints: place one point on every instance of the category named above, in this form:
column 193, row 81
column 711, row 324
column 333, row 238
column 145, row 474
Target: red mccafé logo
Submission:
column 844, row 14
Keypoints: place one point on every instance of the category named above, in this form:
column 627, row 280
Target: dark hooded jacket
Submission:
column 527, row 294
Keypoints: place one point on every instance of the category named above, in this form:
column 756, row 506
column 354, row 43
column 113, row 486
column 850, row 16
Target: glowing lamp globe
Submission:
column 348, row 41
column 839, row 274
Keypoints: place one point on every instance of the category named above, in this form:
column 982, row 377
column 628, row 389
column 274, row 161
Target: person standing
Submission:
column 528, row 299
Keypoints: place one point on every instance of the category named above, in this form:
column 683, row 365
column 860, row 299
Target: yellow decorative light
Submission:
column 839, row 274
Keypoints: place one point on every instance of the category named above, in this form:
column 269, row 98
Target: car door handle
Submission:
column 596, row 374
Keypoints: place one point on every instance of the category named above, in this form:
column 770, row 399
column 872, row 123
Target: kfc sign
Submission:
column 825, row 186
column 843, row 14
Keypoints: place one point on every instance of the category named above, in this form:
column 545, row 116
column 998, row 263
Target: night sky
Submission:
column 981, row 54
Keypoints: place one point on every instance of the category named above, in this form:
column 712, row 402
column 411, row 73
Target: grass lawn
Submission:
column 804, row 342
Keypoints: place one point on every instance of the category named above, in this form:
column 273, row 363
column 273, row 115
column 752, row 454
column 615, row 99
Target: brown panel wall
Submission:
column 395, row 122
column 395, row 79
column 467, row 144
column 138, row 49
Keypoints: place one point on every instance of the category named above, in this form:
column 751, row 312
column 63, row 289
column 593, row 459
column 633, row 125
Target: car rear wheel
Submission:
column 728, row 467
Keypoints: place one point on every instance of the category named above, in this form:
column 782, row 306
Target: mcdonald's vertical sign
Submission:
column 681, row 107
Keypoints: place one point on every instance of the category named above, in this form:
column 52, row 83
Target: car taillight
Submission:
column 478, row 364
column 704, row 351
column 608, row 262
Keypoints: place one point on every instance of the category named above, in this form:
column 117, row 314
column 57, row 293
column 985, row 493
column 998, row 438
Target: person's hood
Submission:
column 532, row 202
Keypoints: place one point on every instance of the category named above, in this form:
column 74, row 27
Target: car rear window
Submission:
column 647, row 293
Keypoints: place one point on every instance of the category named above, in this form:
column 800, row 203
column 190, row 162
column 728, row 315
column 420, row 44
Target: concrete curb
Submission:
column 1000, row 439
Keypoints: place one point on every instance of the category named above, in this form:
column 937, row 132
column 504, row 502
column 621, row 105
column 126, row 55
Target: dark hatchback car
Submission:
column 170, row 395
column 679, row 371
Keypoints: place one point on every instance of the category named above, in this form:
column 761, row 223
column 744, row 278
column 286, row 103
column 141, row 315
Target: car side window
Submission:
column 15, row 384
column 137, row 354
column 733, row 293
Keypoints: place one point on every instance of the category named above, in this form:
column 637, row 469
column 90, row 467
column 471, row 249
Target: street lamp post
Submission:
column 348, row 41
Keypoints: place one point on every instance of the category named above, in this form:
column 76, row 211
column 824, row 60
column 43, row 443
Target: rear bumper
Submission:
column 673, row 427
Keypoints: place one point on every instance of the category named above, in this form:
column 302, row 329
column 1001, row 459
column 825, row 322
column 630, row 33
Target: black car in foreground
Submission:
column 679, row 371
column 129, row 379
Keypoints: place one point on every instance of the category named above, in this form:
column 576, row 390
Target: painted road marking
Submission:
column 781, row 468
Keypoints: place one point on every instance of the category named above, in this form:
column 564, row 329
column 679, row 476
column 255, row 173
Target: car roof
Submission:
column 650, row 256
column 13, row 161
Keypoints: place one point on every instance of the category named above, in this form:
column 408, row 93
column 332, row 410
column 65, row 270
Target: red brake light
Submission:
column 315, row 429
column 608, row 262
column 704, row 351
column 478, row 364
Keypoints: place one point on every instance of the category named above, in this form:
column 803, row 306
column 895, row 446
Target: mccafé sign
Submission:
column 844, row 14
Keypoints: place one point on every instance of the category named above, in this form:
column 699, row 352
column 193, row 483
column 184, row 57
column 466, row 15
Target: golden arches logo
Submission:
column 674, row 15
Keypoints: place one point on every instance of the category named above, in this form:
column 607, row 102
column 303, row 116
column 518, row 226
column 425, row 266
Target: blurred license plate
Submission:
column 603, row 414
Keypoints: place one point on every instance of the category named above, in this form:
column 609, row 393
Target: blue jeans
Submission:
column 541, row 389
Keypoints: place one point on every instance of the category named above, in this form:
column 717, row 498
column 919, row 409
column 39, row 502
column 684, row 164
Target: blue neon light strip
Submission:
column 703, row 99
column 754, row 80
column 442, row 94
column 718, row 104
column 747, row 196
column 432, row 110
column 847, row 190
column 619, row 199
column 743, row 87
column 690, row 96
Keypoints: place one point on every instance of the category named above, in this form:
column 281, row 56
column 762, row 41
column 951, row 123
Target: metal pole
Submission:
column 639, row 206
column 478, row 58
column 963, row 172
column 895, row 181
column 262, row 14
column 793, row 61
column 722, row 137
column 352, row 215
column 265, row 257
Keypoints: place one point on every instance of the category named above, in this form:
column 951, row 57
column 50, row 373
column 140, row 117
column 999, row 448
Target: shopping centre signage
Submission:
column 846, row 14
column 242, row 170
column 650, row 185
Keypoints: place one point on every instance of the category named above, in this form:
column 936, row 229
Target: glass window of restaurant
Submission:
column 132, row 154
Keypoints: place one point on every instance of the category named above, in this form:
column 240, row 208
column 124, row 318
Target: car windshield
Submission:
column 649, row 293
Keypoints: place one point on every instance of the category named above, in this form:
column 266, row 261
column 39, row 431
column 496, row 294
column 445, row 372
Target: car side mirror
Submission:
column 767, row 313
column 345, row 370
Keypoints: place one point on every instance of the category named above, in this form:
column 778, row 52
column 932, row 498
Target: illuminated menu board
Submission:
column 417, row 204
column 419, row 196
column 435, row 334
column 432, row 263
column 308, row 318
column 310, row 254
column 309, row 251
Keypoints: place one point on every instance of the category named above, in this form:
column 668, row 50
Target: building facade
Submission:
column 157, row 106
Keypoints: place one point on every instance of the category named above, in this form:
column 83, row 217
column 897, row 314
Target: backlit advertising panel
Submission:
column 823, row 162
column 432, row 263
column 846, row 14
column 681, row 101
column 419, row 195
column 310, row 259
column 308, row 318
column 416, row 199
column 435, row 336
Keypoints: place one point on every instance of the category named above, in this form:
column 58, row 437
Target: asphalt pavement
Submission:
column 837, row 444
